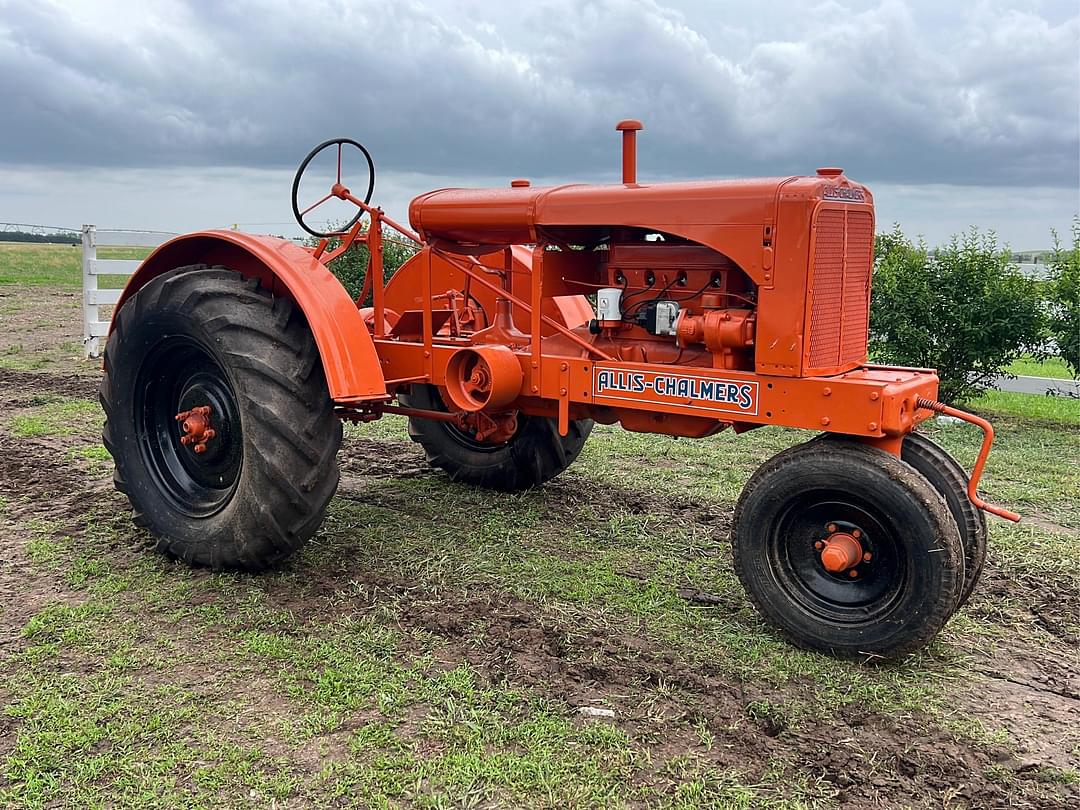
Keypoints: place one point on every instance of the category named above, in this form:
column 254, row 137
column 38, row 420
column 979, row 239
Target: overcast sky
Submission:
column 180, row 115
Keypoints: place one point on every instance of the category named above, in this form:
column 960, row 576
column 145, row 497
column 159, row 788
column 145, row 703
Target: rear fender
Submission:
column 351, row 364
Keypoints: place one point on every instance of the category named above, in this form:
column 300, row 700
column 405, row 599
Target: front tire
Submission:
column 257, row 490
column 901, row 582
column 535, row 454
column 951, row 480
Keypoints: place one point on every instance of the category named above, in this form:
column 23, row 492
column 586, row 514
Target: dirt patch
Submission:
column 15, row 385
column 41, row 329
column 47, row 491
column 870, row 759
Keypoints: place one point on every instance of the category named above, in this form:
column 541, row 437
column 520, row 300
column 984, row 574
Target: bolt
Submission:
column 826, row 392
column 819, row 545
column 856, row 533
column 825, row 420
column 867, row 556
column 830, row 528
column 853, row 573
column 564, row 366
column 562, row 392
column 874, row 396
column 873, row 426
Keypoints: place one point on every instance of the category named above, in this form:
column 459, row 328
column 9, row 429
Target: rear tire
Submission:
column 896, row 601
column 206, row 336
column 532, row 456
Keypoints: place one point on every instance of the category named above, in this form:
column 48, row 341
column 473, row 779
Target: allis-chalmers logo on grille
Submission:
column 844, row 194
column 677, row 389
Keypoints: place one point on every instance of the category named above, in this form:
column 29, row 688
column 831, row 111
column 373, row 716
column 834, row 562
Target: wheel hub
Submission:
column 840, row 552
column 197, row 427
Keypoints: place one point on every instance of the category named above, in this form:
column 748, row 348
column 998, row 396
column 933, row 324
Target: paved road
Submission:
column 1036, row 385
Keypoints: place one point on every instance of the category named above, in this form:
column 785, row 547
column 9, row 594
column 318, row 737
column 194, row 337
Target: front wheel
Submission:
column 847, row 550
column 218, row 419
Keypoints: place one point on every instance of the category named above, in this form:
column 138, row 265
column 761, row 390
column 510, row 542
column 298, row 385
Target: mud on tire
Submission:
column 199, row 335
column 534, row 455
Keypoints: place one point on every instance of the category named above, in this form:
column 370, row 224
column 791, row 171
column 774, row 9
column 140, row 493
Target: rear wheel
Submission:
column 218, row 419
column 847, row 550
column 536, row 452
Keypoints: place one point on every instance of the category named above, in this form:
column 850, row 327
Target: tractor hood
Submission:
column 494, row 218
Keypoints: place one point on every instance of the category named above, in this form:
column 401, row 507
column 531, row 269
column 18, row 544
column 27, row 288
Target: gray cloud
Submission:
column 895, row 92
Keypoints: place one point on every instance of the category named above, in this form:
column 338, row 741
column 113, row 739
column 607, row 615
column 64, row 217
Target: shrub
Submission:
column 350, row 268
column 1063, row 299
column 963, row 309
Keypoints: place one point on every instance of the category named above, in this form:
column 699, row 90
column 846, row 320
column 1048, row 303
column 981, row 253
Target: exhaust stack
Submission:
column 629, row 129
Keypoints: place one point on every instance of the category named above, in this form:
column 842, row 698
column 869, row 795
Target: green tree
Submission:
column 964, row 309
column 1063, row 299
column 350, row 267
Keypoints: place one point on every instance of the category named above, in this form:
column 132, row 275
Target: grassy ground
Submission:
column 1031, row 406
column 56, row 265
column 1029, row 367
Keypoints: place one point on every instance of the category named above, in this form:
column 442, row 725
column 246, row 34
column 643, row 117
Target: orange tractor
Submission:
column 526, row 315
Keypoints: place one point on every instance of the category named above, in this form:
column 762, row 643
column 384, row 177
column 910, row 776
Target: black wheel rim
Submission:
column 179, row 374
column 841, row 597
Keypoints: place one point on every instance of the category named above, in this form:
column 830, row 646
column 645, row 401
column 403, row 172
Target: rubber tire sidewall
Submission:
column 946, row 476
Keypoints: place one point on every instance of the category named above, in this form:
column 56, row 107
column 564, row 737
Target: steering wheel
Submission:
column 334, row 191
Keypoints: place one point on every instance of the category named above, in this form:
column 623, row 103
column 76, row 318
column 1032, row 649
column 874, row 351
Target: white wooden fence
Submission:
column 92, row 267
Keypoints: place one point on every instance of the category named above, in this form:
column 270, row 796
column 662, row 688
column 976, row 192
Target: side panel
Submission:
column 353, row 370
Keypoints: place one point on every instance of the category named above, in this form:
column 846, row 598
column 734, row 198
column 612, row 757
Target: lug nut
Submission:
column 866, row 557
column 853, row 573
column 830, row 528
column 856, row 533
column 819, row 545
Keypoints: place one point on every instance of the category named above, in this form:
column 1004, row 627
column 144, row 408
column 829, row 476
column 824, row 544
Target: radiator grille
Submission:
column 840, row 287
